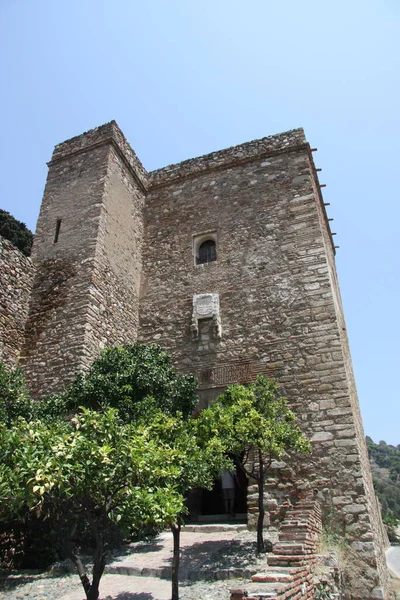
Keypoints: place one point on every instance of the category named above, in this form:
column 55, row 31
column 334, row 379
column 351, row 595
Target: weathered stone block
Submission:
column 322, row 436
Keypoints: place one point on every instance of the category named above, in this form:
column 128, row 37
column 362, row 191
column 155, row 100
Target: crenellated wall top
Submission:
column 274, row 144
column 109, row 133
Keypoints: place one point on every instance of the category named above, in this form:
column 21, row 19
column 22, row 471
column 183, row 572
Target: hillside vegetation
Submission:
column 385, row 465
column 16, row 232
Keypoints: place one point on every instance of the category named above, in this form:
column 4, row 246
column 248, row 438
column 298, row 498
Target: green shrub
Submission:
column 16, row 232
column 14, row 397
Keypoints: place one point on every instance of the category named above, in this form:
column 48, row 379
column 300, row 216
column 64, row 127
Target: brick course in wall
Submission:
column 124, row 268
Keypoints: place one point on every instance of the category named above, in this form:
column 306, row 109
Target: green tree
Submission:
column 386, row 478
column 198, row 461
column 95, row 474
column 16, row 232
column 137, row 379
column 257, row 427
column 141, row 383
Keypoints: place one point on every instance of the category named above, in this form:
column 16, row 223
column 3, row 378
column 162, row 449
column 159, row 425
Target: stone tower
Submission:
column 227, row 261
column 88, row 256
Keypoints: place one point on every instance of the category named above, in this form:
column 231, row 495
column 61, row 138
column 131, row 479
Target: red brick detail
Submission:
column 294, row 554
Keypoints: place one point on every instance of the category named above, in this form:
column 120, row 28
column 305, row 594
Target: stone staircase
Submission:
column 289, row 571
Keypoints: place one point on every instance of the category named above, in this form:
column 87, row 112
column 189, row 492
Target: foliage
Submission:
column 386, row 456
column 99, row 477
column 95, row 472
column 391, row 524
column 16, row 232
column 350, row 571
column 139, row 380
column 198, row 462
column 14, row 397
column 385, row 464
column 322, row 591
column 255, row 417
column 257, row 426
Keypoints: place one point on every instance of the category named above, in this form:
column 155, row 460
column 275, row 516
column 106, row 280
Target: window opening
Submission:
column 57, row 233
column 207, row 252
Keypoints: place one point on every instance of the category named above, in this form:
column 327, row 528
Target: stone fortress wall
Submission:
column 86, row 289
column 16, row 277
column 115, row 255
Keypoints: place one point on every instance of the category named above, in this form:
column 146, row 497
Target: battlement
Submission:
column 235, row 155
column 109, row 133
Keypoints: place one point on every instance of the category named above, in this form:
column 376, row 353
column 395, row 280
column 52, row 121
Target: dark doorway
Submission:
column 208, row 505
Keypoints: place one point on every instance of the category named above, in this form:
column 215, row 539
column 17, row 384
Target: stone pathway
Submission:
column 207, row 552
column 213, row 560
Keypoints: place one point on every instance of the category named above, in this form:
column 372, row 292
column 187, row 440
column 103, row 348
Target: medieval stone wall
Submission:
column 56, row 336
column 115, row 255
column 16, row 275
column 374, row 543
column 114, row 309
column 279, row 311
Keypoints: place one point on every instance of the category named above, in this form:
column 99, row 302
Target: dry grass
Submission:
column 351, row 568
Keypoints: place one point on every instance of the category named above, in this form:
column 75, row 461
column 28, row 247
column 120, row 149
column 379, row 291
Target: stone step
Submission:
column 269, row 591
column 275, row 576
column 286, row 560
column 185, row 574
column 292, row 549
column 214, row 527
column 286, row 526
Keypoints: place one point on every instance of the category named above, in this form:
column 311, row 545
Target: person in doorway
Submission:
column 228, row 491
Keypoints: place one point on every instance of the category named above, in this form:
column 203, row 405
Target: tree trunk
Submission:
column 176, row 532
column 261, row 512
column 93, row 593
column 98, row 570
column 76, row 559
column 99, row 562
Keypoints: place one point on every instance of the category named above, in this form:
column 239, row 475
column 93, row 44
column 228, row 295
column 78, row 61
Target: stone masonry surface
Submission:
column 16, row 275
column 86, row 290
column 123, row 268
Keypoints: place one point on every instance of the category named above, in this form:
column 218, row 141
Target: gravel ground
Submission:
column 237, row 554
column 37, row 587
column 44, row 587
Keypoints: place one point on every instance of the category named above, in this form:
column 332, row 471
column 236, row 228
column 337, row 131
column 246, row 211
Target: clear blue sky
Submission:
column 183, row 78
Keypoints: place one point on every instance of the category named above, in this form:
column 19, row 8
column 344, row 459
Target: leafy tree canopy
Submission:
column 136, row 379
column 257, row 426
column 106, row 472
column 255, row 417
column 16, row 232
column 93, row 472
column 386, row 477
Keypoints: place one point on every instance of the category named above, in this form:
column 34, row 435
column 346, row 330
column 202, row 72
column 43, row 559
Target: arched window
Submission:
column 207, row 252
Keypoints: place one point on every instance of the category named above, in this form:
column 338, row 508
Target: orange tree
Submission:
column 256, row 425
column 96, row 475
